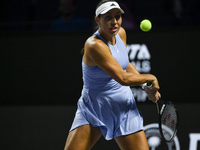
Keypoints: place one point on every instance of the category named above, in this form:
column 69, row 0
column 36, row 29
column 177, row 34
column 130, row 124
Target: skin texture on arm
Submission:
column 97, row 53
column 152, row 93
column 130, row 68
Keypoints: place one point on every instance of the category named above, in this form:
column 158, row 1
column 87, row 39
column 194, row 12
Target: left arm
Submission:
column 131, row 69
column 152, row 93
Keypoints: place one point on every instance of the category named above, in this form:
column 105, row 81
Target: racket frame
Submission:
column 160, row 113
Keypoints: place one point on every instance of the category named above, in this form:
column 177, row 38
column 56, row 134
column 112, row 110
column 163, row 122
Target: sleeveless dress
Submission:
column 105, row 103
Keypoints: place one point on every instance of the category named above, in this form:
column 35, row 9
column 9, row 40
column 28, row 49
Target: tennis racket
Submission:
column 168, row 118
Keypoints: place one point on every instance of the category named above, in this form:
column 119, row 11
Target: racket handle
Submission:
column 149, row 85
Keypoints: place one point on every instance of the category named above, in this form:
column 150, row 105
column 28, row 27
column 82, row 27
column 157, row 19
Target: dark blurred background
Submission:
column 41, row 42
column 41, row 76
column 41, row 15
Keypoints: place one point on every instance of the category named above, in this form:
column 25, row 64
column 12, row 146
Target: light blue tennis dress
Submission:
column 104, row 102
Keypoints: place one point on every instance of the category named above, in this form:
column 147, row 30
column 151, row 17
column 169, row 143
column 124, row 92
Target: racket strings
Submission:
column 169, row 119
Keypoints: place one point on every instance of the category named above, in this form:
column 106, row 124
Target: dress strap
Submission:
column 100, row 37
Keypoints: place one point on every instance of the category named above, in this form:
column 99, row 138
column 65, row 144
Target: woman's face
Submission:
column 110, row 22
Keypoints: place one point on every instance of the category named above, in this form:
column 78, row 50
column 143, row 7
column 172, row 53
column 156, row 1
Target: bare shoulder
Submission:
column 122, row 34
column 93, row 44
column 122, row 31
column 94, row 49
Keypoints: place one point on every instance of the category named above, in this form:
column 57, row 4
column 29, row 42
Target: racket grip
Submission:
column 149, row 84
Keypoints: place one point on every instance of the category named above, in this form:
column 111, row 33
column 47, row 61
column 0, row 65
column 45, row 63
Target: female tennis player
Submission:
column 107, row 106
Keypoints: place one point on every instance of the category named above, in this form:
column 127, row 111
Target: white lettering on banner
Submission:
column 139, row 94
column 144, row 53
column 155, row 140
column 143, row 66
column 194, row 138
column 140, row 57
column 133, row 48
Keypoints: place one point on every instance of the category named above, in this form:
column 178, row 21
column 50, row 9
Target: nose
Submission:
column 114, row 20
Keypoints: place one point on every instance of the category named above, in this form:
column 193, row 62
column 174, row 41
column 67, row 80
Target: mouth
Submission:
column 113, row 29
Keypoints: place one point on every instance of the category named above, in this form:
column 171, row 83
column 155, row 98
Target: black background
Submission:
column 45, row 68
column 41, row 82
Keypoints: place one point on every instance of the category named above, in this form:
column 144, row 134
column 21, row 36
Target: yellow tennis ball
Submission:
column 145, row 25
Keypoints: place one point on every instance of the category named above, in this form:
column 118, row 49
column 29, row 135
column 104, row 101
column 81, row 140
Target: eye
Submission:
column 117, row 17
column 108, row 17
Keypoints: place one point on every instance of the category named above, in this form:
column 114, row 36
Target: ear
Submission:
column 97, row 20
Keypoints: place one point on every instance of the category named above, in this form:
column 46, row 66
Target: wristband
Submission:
column 143, row 86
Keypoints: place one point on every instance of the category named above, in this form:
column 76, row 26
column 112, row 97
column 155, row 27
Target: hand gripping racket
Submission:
column 168, row 119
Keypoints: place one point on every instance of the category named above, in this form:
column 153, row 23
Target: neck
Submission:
column 109, row 38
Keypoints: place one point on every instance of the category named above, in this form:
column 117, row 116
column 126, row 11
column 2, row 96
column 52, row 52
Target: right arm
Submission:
column 98, row 54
